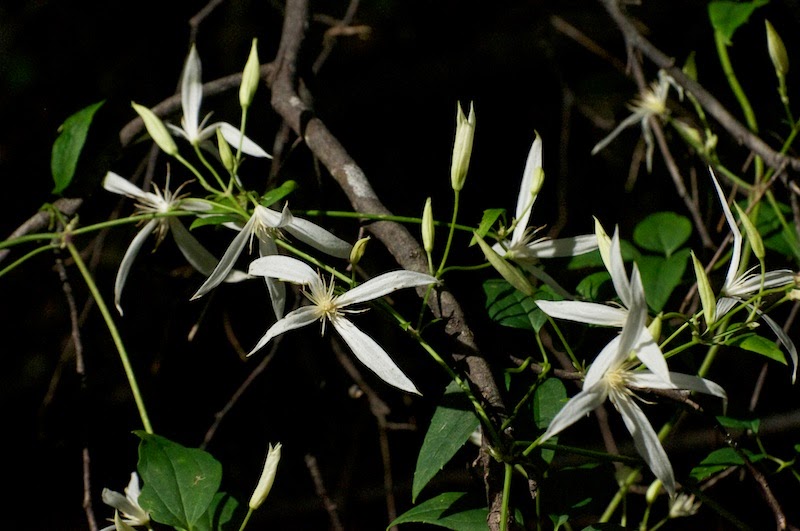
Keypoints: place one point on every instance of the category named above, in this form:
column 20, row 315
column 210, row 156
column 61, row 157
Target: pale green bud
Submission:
column 358, row 250
column 462, row 147
column 752, row 233
column 537, row 182
column 707, row 298
column 690, row 67
column 683, row 505
column 511, row 274
column 267, row 477
column 427, row 226
column 225, row 153
column 157, row 130
column 250, row 77
column 777, row 51
column 603, row 243
column 690, row 134
column 655, row 328
column 652, row 492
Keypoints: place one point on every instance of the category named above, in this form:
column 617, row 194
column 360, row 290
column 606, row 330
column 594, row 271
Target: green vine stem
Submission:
column 112, row 329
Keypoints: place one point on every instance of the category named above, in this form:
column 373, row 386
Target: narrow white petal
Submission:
column 699, row 385
column 191, row 93
column 618, row 274
column 318, row 238
column 636, row 320
column 127, row 260
column 627, row 122
column 724, row 305
column 584, row 312
column 284, row 268
column 608, row 358
column 562, row 247
column 232, row 135
column 525, row 198
column 273, row 218
column 198, row 256
column 383, row 285
column 372, row 355
column 298, row 318
column 117, row 184
column 646, row 441
column 736, row 254
column 648, row 353
column 783, row 338
column 578, row 407
column 750, row 284
column 119, row 502
column 501, row 248
column 227, row 261
column 276, row 288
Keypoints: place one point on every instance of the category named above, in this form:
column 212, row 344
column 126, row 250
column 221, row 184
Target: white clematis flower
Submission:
column 612, row 376
column 326, row 306
column 127, row 504
column 651, row 102
column 266, row 225
column 523, row 248
column 739, row 287
column 195, row 131
column 158, row 202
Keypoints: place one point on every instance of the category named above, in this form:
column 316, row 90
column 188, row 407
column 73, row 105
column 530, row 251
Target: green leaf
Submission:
column 589, row 288
column 726, row 16
column 662, row 232
column 222, row 511
column 660, row 277
column 739, row 424
column 776, row 237
column 558, row 520
column 451, row 425
column 548, row 399
column 179, row 483
column 67, row 147
column 510, row 307
column 489, row 217
column 759, row 345
column 451, row 510
column 213, row 220
column 719, row 460
column 276, row 194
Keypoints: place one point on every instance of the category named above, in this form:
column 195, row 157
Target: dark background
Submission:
column 390, row 98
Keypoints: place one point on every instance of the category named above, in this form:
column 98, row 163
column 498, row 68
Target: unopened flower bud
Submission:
column 462, row 147
column 683, row 505
column 752, row 233
column 707, row 298
column 267, row 477
column 427, row 226
column 777, row 51
column 250, row 77
column 655, row 328
column 652, row 491
column 225, row 153
column 157, row 130
column 358, row 250
column 511, row 274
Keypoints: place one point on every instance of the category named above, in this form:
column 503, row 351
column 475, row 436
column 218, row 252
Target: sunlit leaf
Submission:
column 719, row 460
column 276, row 194
column 488, row 220
column 69, row 144
column 451, row 425
column 759, row 345
column 509, row 307
column 451, row 510
column 662, row 232
column 660, row 277
column 727, row 16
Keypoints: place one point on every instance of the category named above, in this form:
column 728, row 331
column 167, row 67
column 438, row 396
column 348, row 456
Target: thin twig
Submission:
column 197, row 19
column 319, row 487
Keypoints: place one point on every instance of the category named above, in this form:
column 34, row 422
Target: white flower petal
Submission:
column 736, row 255
column 609, row 357
column 627, row 122
column 127, row 260
column 273, row 218
column 646, row 440
column 648, row 353
column 584, row 312
column 618, row 274
column 525, row 198
column 562, row 247
column 228, row 260
column 276, row 288
column 372, row 355
column 783, row 338
column 578, row 407
column 318, row 238
column 383, row 285
column 117, row 184
column 284, row 268
column 232, row 135
column 298, row 318
column 191, row 94
column 699, row 385
column 198, row 256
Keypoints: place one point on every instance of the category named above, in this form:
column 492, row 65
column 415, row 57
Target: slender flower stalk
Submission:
column 327, row 306
column 266, row 225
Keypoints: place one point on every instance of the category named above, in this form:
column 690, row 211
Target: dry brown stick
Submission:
column 319, row 487
column 400, row 243
column 197, row 19
column 739, row 132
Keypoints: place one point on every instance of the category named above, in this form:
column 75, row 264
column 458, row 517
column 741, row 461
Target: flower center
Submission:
column 322, row 297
